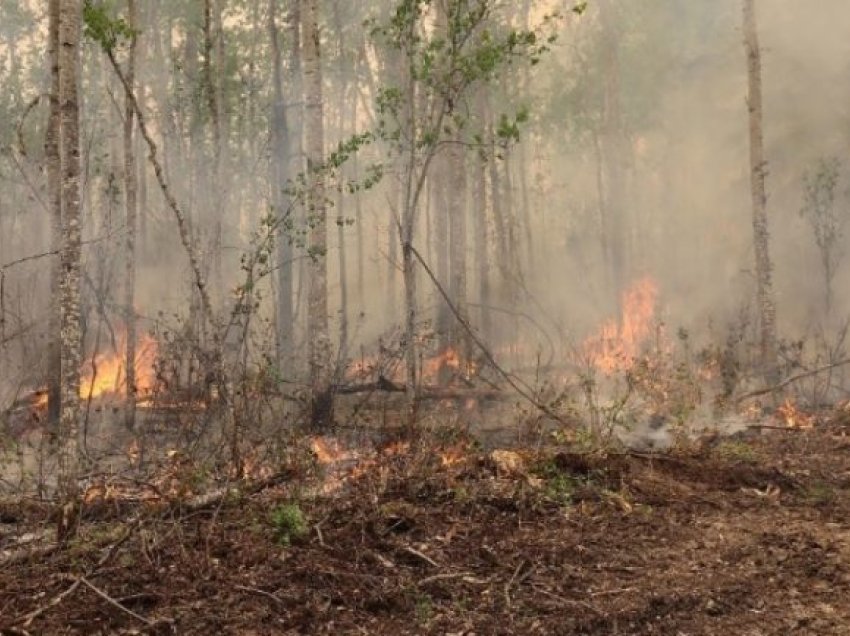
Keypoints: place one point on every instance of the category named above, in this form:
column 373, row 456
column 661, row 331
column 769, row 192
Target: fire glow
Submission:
column 104, row 374
column 618, row 342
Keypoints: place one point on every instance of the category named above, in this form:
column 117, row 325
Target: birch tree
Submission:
column 443, row 64
column 69, row 53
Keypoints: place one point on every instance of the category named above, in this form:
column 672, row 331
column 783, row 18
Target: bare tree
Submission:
column 825, row 219
column 758, row 172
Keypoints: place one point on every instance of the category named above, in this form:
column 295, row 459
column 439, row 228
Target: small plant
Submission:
column 424, row 609
column 820, row 494
column 559, row 486
column 736, row 451
column 289, row 522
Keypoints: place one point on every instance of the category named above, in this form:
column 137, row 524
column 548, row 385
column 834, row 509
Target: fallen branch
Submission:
column 113, row 602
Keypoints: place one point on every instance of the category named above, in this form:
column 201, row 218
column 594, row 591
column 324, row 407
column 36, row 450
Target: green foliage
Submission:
column 102, row 27
column 289, row 522
column 470, row 47
column 736, row 451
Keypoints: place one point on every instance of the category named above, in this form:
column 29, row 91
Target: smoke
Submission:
column 685, row 222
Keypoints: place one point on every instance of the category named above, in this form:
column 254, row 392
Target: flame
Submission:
column 448, row 359
column 328, row 450
column 618, row 342
column 454, row 455
column 105, row 376
column 793, row 416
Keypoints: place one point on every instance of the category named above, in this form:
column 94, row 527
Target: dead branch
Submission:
column 218, row 496
column 113, row 602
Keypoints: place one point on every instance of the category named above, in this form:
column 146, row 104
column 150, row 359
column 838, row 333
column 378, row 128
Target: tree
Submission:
column 758, row 173
column 825, row 219
column 71, row 341
column 321, row 402
column 282, row 147
column 54, row 198
column 444, row 63
column 130, row 203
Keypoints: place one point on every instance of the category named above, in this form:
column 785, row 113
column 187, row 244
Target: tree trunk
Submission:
column 131, row 214
column 215, row 176
column 340, row 199
column 281, row 142
column 439, row 185
column 54, row 192
column 69, row 53
column 321, row 414
column 482, row 235
column 758, row 170
column 457, row 248
column 613, row 150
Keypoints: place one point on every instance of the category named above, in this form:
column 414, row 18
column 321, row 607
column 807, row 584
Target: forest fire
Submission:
column 618, row 341
column 793, row 417
column 104, row 374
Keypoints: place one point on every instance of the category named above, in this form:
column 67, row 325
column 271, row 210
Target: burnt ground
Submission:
column 746, row 538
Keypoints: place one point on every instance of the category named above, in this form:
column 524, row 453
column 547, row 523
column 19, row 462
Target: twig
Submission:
column 29, row 618
column 510, row 583
column 450, row 575
column 113, row 602
column 254, row 590
column 422, row 556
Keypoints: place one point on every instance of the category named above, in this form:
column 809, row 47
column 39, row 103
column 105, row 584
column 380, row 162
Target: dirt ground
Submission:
column 743, row 537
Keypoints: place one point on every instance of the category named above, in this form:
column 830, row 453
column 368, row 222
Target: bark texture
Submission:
column 131, row 209
column 318, row 334
column 758, row 172
column 54, row 196
column 71, row 344
column 281, row 142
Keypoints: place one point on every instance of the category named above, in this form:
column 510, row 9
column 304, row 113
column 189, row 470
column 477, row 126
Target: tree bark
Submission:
column 54, row 190
column 482, row 234
column 131, row 219
column 613, row 151
column 758, row 171
column 281, row 142
column 71, row 344
column 321, row 410
column 457, row 248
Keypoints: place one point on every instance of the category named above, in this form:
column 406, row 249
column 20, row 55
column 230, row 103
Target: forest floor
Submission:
column 747, row 537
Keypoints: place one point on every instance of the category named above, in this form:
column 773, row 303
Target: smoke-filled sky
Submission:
column 682, row 90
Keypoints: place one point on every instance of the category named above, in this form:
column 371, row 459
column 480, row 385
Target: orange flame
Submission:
column 618, row 342
column 793, row 416
column 106, row 375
